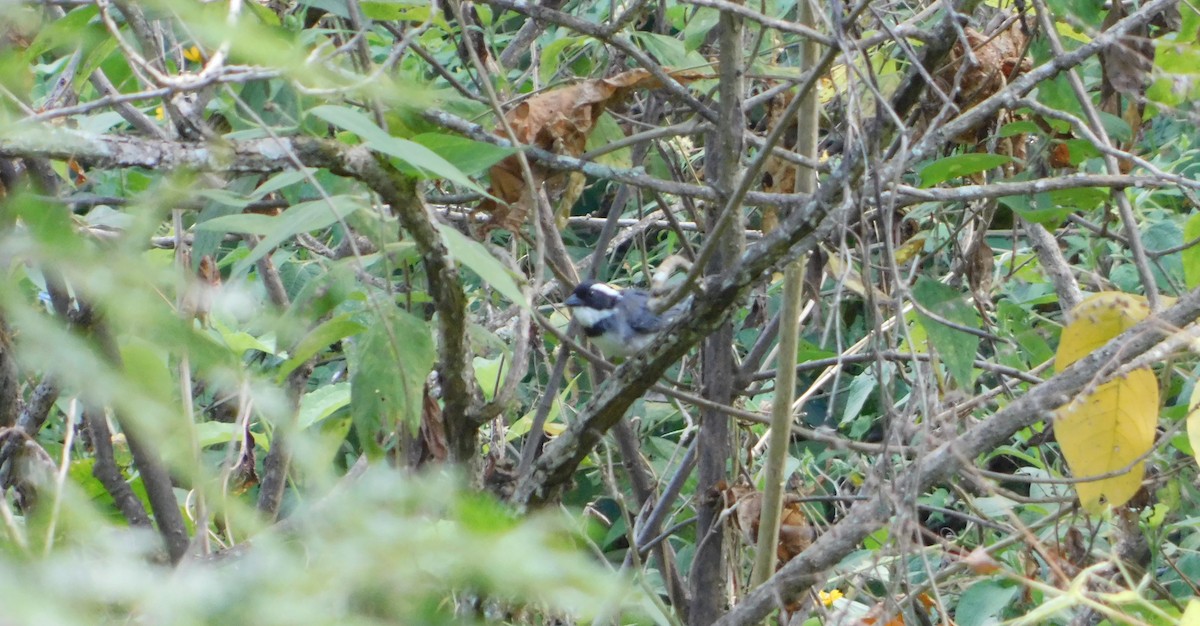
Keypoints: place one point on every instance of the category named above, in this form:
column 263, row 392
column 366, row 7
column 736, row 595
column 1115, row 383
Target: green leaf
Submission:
column 1191, row 254
column 1022, row 127
column 472, row 254
column 982, row 603
column 216, row 433
column 468, row 155
column 957, row 348
column 146, row 367
column 860, row 390
column 960, row 165
column 605, row 132
column 489, row 373
column 669, row 51
column 388, row 10
column 410, row 152
column 387, row 376
column 300, row 218
column 322, row 402
column 239, row 341
column 552, row 55
column 1038, row 209
column 318, row 339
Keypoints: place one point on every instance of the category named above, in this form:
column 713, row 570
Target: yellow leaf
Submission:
column 1191, row 615
column 193, row 54
column 1105, row 431
column 1193, row 424
column 1109, row 428
column 1094, row 321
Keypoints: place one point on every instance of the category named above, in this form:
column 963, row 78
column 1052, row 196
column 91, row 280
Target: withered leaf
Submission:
column 243, row 476
column 433, row 431
column 795, row 533
column 559, row 120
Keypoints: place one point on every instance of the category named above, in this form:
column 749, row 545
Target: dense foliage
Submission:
column 281, row 334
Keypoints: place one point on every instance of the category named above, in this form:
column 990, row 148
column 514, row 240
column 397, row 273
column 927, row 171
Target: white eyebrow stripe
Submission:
column 606, row 290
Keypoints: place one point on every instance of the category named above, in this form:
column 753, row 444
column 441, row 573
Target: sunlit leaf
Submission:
column 1106, row 428
column 472, row 254
column 318, row 339
column 410, row 152
column 960, row 165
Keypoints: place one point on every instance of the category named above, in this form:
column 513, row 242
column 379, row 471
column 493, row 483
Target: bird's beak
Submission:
column 573, row 301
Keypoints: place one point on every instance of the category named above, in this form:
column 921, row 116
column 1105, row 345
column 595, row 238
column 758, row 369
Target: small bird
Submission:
column 620, row 322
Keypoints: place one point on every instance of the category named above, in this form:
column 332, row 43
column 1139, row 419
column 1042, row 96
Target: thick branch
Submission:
column 949, row 458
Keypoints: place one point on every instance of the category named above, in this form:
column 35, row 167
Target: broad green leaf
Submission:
column 1022, row 127
column 388, row 10
column 239, row 341
column 318, row 339
column 983, row 603
column 489, row 373
column 553, row 426
column 145, row 365
column 860, row 390
column 468, row 155
column 472, row 254
column 322, row 402
column 279, row 181
column 696, row 27
column 217, row 433
column 957, row 348
column 1109, row 427
column 670, row 51
column 551, row 56
column 244, row 223
column 410, row 152
column 1191, row 254
column 299, row 218
column 960, row 165
column 388, row 368
column 605, row 132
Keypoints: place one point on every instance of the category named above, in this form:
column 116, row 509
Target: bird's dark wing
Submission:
column 641, row 318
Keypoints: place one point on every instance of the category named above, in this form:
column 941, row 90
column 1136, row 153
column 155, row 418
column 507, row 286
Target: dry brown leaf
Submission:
column 779, row 176
column 999, row 59
column 795, row 533
column 244, row 476
column 980, row 562
column 1060, row 155
column 197, row 302
column 560, row 121
column 433, row 431
column 1126, row 65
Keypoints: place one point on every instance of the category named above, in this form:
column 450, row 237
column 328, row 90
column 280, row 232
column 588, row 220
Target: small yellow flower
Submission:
column 193, row 54
column 829, row 597
column 158, row 113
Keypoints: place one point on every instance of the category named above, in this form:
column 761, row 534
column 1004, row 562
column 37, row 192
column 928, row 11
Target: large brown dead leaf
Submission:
column 433, row 431
column 998, row 59
column 795, row 533
column 560, row 121
column 243, row 476
column 201, row 291
column 779, row 175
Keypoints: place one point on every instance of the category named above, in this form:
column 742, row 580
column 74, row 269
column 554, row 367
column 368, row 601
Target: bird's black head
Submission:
column 594, row 295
